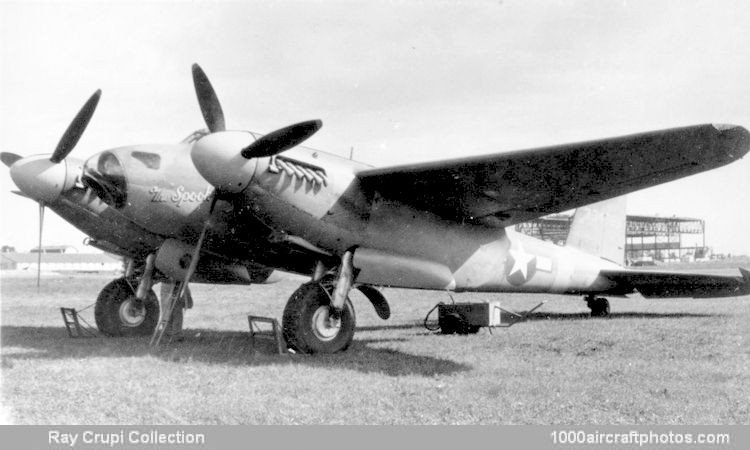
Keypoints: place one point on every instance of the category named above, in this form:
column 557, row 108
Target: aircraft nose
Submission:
column 41, row 179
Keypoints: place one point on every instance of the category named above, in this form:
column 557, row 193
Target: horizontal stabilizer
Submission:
column 677, row 284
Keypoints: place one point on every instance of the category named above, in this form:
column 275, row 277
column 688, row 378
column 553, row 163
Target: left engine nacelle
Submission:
column 173, row 259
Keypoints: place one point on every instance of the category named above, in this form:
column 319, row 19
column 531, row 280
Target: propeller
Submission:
column 39, row 248
column 177, row 294
column 43, row 178
column 76, row 128
column 9, row 158
column 227, row 159
column 208, row 101
column 282, row 139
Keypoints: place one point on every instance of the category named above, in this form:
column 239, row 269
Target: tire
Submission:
column 599, row 307
column 115, row 315
column 305, row 318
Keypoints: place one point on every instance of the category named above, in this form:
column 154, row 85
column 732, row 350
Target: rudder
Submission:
column 599, row 229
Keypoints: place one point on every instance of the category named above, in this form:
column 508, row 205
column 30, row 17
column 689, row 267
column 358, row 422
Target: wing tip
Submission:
column 738, row 139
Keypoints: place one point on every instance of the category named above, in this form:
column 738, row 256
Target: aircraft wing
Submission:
column 508, row 188
column 677, row 284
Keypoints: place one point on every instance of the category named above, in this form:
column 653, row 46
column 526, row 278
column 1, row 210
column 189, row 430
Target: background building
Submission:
column 59, row 259
column 647, row 238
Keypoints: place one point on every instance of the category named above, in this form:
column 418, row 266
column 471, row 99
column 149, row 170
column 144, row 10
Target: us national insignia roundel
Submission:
column 519, row 265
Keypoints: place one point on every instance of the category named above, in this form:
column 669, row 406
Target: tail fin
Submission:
column 599, row 229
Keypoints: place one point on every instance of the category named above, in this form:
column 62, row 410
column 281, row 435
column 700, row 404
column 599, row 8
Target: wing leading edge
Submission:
column 508, row 188
column 676, row 284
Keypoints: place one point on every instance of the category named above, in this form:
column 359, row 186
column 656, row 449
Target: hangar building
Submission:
column 647, row 238
column 61, row 262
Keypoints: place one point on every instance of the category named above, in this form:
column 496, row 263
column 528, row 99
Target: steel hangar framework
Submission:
column 646, row 237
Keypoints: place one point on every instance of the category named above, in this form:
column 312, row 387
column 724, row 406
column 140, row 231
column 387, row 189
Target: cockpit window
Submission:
column 109, row 165
column 150, row 160
column 195, row 136
column 106, row 178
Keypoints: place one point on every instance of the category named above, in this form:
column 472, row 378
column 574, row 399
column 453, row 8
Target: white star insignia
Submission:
column 521, row 261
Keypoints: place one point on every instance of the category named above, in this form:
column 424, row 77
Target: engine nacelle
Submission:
column 173, row 259
column 387, row 269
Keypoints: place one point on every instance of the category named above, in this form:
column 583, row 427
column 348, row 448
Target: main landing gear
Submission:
column 599, row 306
column 319, row 316
column 312, row 325
column 128, row 306
column 118, row 312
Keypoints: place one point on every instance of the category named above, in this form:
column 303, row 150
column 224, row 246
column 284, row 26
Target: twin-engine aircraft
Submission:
column 226, row 206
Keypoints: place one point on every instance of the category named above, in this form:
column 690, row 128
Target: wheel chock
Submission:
column 257, row 331
column 73, row 325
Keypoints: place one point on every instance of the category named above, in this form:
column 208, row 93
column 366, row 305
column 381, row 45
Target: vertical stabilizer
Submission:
column 599, row 229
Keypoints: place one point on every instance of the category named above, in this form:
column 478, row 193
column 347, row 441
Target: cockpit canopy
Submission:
column 104, row 174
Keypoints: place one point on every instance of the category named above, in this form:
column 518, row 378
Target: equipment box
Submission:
column 465, row 318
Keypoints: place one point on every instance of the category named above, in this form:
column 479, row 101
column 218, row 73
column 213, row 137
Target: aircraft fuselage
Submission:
column 312, row 196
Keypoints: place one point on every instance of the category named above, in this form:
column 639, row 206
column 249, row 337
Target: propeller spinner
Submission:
column 44, row 177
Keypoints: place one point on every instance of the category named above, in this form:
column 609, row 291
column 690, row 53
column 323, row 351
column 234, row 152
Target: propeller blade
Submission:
column 69, row 140
column 183, row 289
column 208, row 101
column 9, row 158
column 282, row 140
column 39, row 248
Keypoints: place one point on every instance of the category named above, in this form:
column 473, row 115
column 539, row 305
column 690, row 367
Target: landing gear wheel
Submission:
column 599, row 306
column 119, row 313
column 309, row 326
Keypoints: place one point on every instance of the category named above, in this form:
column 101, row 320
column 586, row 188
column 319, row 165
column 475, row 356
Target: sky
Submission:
column 397, row 81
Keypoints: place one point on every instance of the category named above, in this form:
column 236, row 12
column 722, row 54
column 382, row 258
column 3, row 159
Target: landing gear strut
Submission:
column 168, row 288
column 118, row 312
column 599, row 306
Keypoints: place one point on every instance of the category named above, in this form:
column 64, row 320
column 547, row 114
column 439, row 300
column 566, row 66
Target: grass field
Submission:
column 652, row 362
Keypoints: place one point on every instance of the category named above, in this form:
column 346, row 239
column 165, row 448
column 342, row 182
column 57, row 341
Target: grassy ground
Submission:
column 654, row 362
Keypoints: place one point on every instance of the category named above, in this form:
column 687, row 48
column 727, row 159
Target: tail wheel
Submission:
column 119, row 313
column 309, row 326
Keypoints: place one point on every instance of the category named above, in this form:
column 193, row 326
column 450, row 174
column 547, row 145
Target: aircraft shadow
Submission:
column 407, row 326
column 614, row 316
column 218, row 347
column 541, row 315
